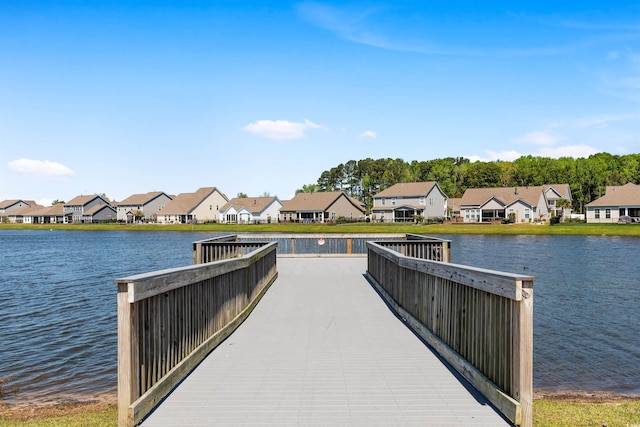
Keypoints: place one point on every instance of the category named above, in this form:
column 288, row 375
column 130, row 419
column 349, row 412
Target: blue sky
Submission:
column 125, row 97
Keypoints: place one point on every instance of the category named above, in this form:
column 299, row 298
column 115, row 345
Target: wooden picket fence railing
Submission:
column 169, row 320
column 314, row 244
column 480, row 321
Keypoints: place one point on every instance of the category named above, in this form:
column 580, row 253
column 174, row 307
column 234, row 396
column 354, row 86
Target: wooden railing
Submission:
column 417, row 246
column 480, row 321
column 169, row 320
column 307, row 244
column 224, row 247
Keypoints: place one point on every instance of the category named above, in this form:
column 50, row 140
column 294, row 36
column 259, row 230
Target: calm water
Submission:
column 58, row 305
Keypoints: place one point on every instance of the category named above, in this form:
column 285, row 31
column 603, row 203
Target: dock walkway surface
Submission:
column 322, row 348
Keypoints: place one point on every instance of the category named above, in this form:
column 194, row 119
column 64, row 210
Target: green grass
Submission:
column 102, row 416
column 561, row 413
column 546, row 413
column 511, row 229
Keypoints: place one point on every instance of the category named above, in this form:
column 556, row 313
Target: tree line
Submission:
column 587, row 177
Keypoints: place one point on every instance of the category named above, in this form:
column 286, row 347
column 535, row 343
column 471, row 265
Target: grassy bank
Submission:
column 554, row 412
column 510, row 229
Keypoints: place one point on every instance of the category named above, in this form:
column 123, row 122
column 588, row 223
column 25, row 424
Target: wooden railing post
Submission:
column 523, row 355
column 127, row 360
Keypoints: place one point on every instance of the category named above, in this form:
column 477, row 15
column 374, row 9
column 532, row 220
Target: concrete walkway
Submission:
column 322, row 348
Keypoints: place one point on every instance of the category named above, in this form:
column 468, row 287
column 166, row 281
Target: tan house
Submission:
column 143, row 207
column 51, row 215
column 23, row 214
column 7, row 206
column 620, row 203
column 251, row 210
column 199, row 207
column 322, row 207
column 533, row 203
column 403, row 202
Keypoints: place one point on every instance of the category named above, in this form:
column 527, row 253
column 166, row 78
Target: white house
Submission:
column 249, row 210
column 620, row 203
column 527, row 203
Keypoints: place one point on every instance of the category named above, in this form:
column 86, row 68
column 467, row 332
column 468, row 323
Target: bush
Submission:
column 511, row 219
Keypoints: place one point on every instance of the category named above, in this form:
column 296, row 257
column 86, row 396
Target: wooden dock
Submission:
column 322, row 348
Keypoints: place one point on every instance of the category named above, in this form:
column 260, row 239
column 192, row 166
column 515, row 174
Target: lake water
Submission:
column 58, row 305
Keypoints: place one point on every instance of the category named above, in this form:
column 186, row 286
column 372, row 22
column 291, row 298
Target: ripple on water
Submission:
column 59, row 328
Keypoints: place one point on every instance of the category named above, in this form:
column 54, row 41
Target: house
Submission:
column 322, row 207
column 81, row 205
column 402, row 202
column 22, row 215
column 99, row 214
column 620, row 203
column 188, row 208
column 7, row 206
column 527, row 203
column 51, row 215
column 248, row 210
column 142, row 207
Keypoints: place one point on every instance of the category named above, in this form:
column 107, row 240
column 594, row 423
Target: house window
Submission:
column 526, row 214
column 430, row 201
column 393, row 201
column 383, row 201
column 607, row 213
column 597, row 213
column 422, row 200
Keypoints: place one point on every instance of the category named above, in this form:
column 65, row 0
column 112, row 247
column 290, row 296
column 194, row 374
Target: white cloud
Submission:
column 281, row 129
column 40, row 167
column 44, row 202
column 537, row 138
column 492, row 156
column 368, row 134
column 575, row 151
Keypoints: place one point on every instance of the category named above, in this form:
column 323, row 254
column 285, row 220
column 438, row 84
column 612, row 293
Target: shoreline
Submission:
column 35, row 410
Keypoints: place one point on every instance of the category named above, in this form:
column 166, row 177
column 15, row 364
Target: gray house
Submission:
column 404, row 201
column 81, row 205
column 145, row 207
column 98, row 214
